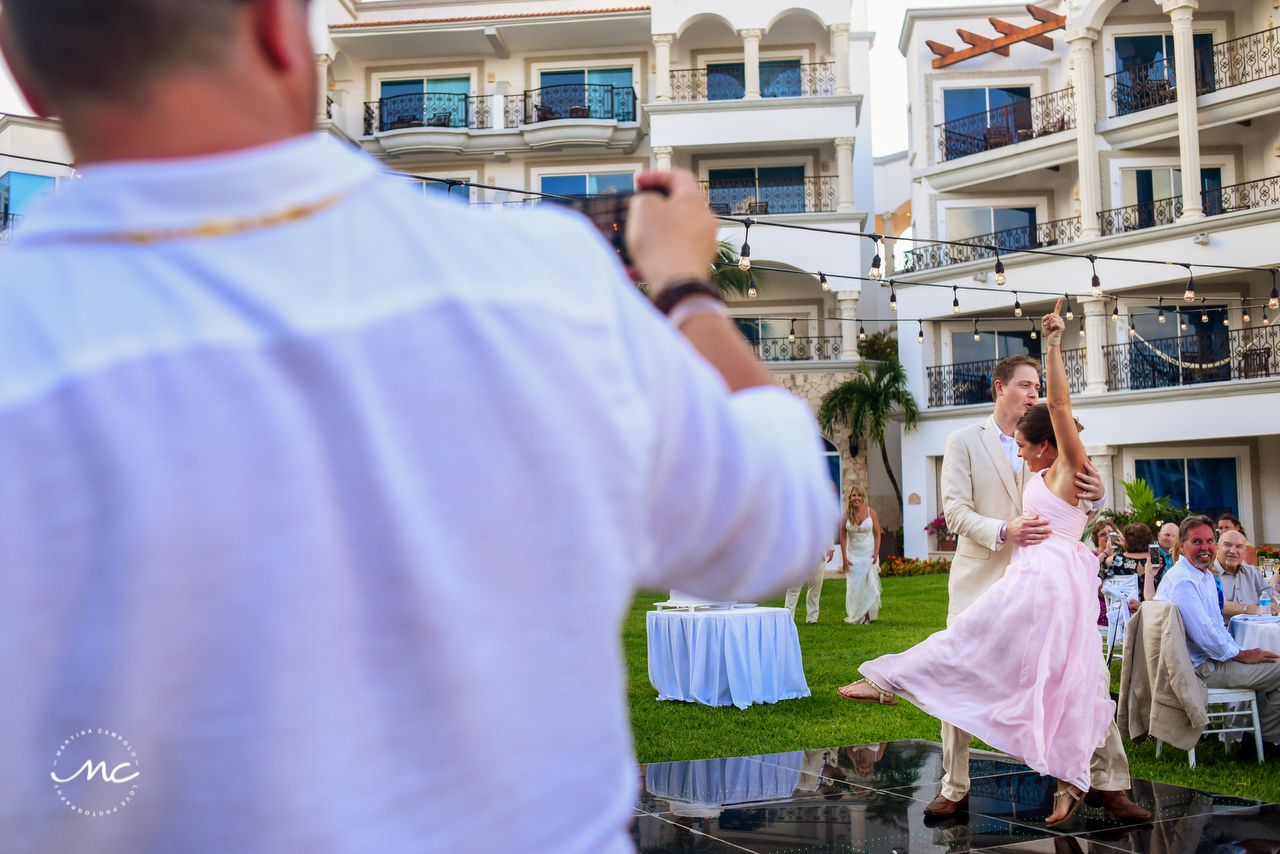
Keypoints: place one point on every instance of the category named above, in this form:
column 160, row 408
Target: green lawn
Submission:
column 913, row 609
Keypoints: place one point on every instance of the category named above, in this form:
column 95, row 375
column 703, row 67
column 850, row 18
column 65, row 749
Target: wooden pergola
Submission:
column 1011, row 34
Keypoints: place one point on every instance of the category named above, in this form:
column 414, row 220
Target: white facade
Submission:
column 33, row 161
column 1090, row 147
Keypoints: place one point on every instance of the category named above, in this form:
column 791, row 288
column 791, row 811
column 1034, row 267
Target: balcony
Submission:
column 803, row 349
column 589, row 101
column 1235, row 354
column 1248, row 195
column 1018, row 122
column 1039, row 236
column 1143, row 87
column 968, row 383
column 766, row 196
column 439, row 110
column 9, row 222
column 728, row 83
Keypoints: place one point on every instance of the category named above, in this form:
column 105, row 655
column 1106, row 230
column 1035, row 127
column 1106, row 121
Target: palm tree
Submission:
column 727, row 277
column 865, row 404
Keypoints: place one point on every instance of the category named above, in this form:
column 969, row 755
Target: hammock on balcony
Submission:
column 1195, row 366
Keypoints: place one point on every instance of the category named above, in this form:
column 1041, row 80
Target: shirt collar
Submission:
column 189, row 192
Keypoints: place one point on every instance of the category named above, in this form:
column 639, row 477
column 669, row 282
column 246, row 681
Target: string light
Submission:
column 744, row 257
column 955, row 300
column 1274, row 302
column 1082, row 327
column 1133, row 330
column 822, row 280
column 1161, row 304
column 1094, row 281
column 1034, row 334
column 1191, row 286
column 1226, row 318
column 1182, row 321
column 977, row 336
column 862, row 332
column 792, row 337
column 874, row 274
column 1264, row 317
column 1017, row 306
column 893, row 298
column 751, row 287
column 920, row 334
column 1204, row 313
column 1000, row 279
column 1071, row 315
column 1115, row 311
column 1245, row 316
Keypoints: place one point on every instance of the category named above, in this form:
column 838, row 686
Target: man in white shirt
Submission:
column 315, row 491
column 1242, row 584
column 982, row 481
column 1217, row 659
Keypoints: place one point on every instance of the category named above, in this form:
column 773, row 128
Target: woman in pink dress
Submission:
column 1019, row 667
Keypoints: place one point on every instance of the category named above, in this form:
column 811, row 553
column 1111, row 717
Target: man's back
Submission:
column 332, row 509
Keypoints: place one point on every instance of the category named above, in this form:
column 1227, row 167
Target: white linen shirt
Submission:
column 337, row 519
column 1196, row 595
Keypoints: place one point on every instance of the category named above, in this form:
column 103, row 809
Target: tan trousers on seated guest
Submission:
column 1108, row 770
column 1263, row 678
column 811, row 598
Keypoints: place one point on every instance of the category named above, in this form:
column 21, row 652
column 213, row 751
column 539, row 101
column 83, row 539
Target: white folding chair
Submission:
column 1117, row 591
column 1223, row 699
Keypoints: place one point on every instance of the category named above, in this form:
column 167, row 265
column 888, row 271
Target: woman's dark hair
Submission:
column 1036, row 426
column 1233, row 519
column 1099, row 529
column 1137, row 537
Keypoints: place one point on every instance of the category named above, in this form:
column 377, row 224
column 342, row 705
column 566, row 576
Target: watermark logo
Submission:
column 95, row 772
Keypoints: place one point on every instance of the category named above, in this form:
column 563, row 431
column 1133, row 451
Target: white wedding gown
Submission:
column 862, row 594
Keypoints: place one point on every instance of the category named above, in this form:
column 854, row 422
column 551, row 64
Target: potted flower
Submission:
column 946, row 539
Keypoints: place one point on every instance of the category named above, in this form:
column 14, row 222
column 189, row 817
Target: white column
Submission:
column 1103, row 457
column 844, row 173
column 662, row 158
column 662, row 59
column 889, row 230
column 1184, row 69
column 848, row 302
column 322, row 76
column 1082, row 42
column 1095, row 337
column 840, row 51
column 751, row 62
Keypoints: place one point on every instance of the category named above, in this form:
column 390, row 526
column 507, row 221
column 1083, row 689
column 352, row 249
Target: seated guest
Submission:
column 1103, row 550
column 1168, row 539
column 1228, row 522
column 1133, row 561
column 1218, row 660
column 1242, row 584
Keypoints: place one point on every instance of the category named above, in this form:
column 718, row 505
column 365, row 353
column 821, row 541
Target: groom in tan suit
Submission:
column 982, row 480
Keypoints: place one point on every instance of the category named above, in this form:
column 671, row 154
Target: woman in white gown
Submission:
column 860, row 544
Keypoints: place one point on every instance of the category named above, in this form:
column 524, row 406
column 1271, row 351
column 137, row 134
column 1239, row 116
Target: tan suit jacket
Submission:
column 980, row 492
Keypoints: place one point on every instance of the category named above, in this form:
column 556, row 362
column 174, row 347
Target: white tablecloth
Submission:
column 726, row 657
column 1256, row 632
column 737, row 780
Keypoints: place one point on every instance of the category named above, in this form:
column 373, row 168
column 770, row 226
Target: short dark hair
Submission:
column 1194, row 522
column 1036, row 425
column 108, row 49
column 1137, row 537
column 1233, row 519
column 1008, row 366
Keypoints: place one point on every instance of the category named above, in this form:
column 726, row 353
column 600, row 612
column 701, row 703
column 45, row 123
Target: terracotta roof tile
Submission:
column 360, row 24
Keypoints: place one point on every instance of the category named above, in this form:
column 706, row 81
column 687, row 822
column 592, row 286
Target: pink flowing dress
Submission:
column 1020, row 668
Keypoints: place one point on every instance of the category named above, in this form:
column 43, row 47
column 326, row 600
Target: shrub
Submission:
column 906, row 567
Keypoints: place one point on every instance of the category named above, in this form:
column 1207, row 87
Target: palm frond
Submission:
column 726, row 275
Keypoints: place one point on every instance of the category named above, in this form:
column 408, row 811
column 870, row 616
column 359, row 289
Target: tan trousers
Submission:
column 1262, row 678
column 1108, row 770
column 811, row 598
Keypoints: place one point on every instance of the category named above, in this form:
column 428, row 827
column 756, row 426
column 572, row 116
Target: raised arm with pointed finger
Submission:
column 1072, row 457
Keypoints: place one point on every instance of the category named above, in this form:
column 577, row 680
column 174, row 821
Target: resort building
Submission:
column 33, row 162
column 1119, row 129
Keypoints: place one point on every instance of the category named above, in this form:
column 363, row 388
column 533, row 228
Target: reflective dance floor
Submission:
column 870, row 798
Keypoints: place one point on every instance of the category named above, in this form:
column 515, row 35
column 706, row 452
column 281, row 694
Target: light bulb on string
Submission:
column 822, row 280
column 1034, row 333
column 1161, row 317
column 977, row 336
column 920, row 335
column 1094, row 281
column 1000, row 279
column 955, row 300
column 862, row 332
column 1274, row 302
column 1133, row 330
column 1017, row 306
column 1204, row 313
column 1226, row 318
column 744, row 257
column 1190, row 293
column 1264, row 317
column 1182, row 321
column 893, row 298
column 1244, row 316
column 1071, row 315
column 751, row 287
column 1115, row 311
column 1082, row 327
column 874, row 274
column 791, row 338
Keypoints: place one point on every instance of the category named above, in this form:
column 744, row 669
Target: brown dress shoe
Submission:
column 940, row 807
column 1118, row 804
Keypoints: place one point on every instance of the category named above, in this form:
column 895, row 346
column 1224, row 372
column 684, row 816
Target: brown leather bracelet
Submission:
column 672, row 296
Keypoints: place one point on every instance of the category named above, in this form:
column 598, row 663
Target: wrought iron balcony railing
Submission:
column 1232, row 354
column 1139, row 216
column 815, row 348
column 1038, row 236
column 1143, row 87
column 728, row 83
column 430, row 109
column 1017, row 122
column 772, row 195
column 9, row 222
column 571, row 101
column 1248, row 195
column 1262, row 193
column 966, row 383
column 1238, row 61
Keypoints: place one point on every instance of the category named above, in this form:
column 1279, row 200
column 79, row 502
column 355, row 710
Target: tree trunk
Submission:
column 884, row 454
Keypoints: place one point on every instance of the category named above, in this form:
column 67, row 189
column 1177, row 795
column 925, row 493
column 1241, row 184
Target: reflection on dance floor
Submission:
column 870, row 798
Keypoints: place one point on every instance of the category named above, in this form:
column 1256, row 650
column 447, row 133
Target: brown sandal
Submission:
column 1070, row 792
column 883, row 697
